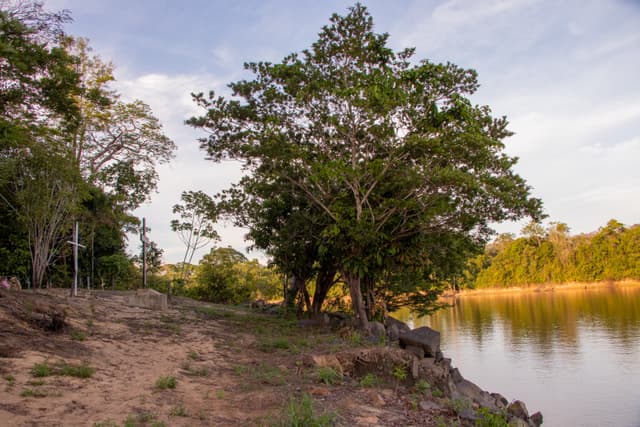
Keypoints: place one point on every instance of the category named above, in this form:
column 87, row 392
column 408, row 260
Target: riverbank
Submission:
column 541, row 287
column 95, row 360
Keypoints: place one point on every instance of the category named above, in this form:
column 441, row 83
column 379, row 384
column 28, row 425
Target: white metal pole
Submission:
column 75, row 261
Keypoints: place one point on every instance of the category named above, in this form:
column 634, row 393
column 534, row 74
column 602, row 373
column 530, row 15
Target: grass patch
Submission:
column 35, row 383
column 9, row 378
column 327, row 375
column 486, row 418
column 77, row 335
column 178, row 411
column 107, row 423
column 29, row 392
column 300, row 413
column 269, row 375
column 164, row 383
column 370, row 380
column 43, row 369
column 422, row 386
column 270, row 345
column 193, row 355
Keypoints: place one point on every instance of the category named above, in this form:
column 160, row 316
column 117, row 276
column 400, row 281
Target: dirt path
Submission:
column 230, row 367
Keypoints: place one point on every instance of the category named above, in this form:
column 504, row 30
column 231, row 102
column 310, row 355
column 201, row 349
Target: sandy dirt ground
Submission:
column 231, row 367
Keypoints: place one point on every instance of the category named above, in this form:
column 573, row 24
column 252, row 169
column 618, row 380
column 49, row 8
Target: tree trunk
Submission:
column 324, row 282
column 356, row 299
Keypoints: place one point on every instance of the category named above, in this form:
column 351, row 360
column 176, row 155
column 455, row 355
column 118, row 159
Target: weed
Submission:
column 240, row 369
column 370, row 380
column 269, row 345
column 193, row 355
column 486, row 418
column 220, row 394
column 78, row 335
column 178, row 411
column 35, row 383
column 270, row 375
column 300, row 413
column 400, row 373
column 327, row 375
column 41, row 370
column 436, row 392
column 443, row 422
column 89, row 323
column 78, row 371
column 164, row 383
column 355, row 338
column 422, row 386
column 9, row 378
column 459, row 405
column 107, row 423
column 28, row 392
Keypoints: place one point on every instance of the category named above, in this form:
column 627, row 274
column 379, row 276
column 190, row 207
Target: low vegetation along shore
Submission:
column 542, row 287
column 95, row 360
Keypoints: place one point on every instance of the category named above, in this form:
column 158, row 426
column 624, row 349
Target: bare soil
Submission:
column 232, row 367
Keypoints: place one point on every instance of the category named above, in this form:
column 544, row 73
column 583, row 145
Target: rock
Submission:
column 376, row 329
column 518, row 422
column 536, row 419
column 466, row 388
column 402, row 327
column 423, row 337
column 324, row 361
column 439, row 356
column 319, row 391
column 468, row 414
column 456, row 376
column 149, row 299
column 429, row 405
column 518, row 409
column 415, row 369
column 371, row 420
column 374, row 398
column 501, row 401
column 393, row 333
column 418, row 351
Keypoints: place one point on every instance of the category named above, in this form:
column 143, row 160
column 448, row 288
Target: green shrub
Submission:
column 370, row 380
column 486, row 418
column 300, row 413
column 164, row 383
column 327, row 375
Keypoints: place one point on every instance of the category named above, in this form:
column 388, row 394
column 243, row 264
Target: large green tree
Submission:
column 390, row 151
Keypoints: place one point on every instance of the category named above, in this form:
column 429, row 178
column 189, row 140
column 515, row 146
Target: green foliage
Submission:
column 164, row 383
column 370, row 380
column 300, row 413
column 486, row 418
column 553, row 256
column 327, row 375
column 41, row 370
column 226, row 276
column 422, row 386
column 64, row 369
column 365, row 161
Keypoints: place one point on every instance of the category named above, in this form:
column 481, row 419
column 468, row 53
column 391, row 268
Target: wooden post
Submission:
column 75, row 244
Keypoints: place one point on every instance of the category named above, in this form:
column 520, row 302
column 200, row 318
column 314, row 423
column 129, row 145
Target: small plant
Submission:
column 436, row 392
column 486, row 418
column 355, row 338
column 240, row 369
column 41, row 370
column 400, row 373
column 327, row 375
column 28, row 392
column 459, row 405
column 9, row 378
column 35, row 383
column 164, row 383
column 370, row 380
column 220, row 394
column 78, row 335
column 193, row 355
column 78, row 371
column 107, row 423
column 271, row 375
column 178, row 411
column 300, row 413
column 422, row 386
column 271, row 345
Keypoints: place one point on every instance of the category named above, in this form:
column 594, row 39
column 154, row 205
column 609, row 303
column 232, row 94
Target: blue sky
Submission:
column 565, row 73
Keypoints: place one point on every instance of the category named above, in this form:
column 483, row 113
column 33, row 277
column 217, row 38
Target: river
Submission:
column 572, row 354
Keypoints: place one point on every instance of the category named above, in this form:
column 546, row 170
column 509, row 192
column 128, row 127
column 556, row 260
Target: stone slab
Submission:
column 149, row 299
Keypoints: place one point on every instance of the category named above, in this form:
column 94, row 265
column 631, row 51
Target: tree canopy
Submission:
column 386, row 154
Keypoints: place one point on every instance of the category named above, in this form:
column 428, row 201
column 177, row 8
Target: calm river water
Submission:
column 572, row 354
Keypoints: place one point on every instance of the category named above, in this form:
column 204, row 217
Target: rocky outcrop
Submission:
column 424, row 337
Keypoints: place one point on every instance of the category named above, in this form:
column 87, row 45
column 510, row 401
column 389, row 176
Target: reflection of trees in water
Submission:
column 544, row 319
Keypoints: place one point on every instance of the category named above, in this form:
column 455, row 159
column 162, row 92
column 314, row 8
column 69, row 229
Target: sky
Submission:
column 565, row 73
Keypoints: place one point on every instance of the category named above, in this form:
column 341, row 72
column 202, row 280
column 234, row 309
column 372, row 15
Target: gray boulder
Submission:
column 402, row 327
column 518, row 409
column 423, row 337
column 536, row 419
column 376, row 329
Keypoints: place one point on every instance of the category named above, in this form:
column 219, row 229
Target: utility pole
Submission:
column 75, row 259
column 145, row 242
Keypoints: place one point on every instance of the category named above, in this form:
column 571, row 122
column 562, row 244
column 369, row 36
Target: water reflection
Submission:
column 579, row 347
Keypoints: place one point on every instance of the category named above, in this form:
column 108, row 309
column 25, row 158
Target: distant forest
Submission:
column 552, row 255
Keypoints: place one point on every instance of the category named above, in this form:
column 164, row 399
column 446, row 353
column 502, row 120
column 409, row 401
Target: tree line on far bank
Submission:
column 552, row 255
